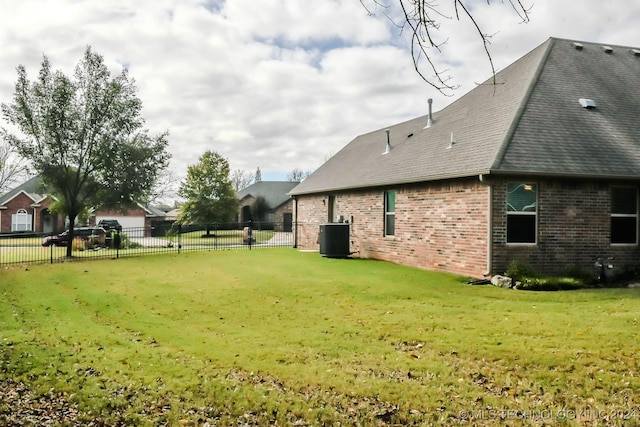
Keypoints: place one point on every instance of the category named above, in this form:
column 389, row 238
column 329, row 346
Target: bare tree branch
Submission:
column 241, row 179
column 165, row 187
column 12, row 168
column 422, row 18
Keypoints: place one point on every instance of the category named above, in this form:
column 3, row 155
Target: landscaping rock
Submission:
column 502, row 281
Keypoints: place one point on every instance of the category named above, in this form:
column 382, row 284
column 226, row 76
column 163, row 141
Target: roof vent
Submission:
column 577, row 46
column 387, row 150
column 607, row 49
column 636, row 52
column 430, row 116
column 587, row 103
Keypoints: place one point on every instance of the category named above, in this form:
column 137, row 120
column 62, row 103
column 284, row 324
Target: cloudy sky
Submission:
column 281, row 84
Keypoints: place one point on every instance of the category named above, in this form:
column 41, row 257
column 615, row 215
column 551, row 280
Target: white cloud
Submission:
column 281, row 84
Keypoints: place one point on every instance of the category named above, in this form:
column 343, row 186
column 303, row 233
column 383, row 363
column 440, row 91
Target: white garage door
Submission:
column 133, row 226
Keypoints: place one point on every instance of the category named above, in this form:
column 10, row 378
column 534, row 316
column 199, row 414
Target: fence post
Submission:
column 250, row 234
column 116, row 242
column 179, row 237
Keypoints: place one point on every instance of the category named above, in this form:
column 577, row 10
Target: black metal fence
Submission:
column 22, row 248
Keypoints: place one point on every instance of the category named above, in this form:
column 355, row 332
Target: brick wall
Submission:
column 439, row 226
column 573, row 228
column 309, row 213
column 443, row 226
column 285, row 208
column 22, row 201
column 134, row 211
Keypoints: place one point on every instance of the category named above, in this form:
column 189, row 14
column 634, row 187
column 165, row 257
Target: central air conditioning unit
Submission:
column 334, row 240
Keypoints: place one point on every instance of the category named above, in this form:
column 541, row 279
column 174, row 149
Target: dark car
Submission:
column 110, row 224
column 84, row 233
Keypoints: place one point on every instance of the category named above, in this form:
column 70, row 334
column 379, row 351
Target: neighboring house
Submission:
column 270, row 201
column 137, row 221
column 172, row 215
column 26, row 209
column 541, row 167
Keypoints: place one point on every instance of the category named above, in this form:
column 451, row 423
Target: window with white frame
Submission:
column 522, row 212
column 389, row 213
column 21, row 221
column 624, row 215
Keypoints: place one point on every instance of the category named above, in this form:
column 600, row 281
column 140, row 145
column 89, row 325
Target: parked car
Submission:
column 84, row 233
column 110, row 224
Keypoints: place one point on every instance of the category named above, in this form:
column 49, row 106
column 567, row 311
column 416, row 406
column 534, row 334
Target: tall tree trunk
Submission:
column 72, row 221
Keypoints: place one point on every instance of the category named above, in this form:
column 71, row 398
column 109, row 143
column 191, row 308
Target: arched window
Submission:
column 21, row 221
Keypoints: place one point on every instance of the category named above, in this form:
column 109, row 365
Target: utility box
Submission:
column 334, row 240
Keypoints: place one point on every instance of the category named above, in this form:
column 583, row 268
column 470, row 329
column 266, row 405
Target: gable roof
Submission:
column 275, row 193
column 36, row 191
column 529, row 122
column 31, row 188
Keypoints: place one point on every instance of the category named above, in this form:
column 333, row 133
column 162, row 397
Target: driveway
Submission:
column 151, row 242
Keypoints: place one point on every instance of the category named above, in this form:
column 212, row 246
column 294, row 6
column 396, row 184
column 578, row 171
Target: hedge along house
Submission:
column 542, row 167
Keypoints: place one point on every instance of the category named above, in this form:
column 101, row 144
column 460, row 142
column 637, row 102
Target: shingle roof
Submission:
column 529, row 122
column 32, row 188
column 275, row 193
column 35, row 189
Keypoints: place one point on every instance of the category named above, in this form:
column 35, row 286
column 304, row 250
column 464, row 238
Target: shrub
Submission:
column 549, row 283
column 526, row 278
column 629, row 272
column 126, row 243
column 519, row 270
column 92, row 242
column 78, row 244
column 586, row 276
column 95, row 242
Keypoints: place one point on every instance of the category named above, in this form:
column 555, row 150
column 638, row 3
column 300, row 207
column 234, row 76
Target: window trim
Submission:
column 388, row 214
column 522, row 213
column 621, row 215
column 21, row 218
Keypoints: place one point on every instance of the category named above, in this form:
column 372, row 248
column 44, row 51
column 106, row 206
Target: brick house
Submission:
column 278, row 206
column 26, row 209
column 542, row 167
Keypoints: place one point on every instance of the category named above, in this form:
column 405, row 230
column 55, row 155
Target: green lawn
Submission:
column 281, row 336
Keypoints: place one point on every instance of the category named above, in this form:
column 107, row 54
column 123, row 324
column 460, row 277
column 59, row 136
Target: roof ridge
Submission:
column 521, row 107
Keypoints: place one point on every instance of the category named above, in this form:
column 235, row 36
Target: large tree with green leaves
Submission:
column 84, row 135
column 208, row 192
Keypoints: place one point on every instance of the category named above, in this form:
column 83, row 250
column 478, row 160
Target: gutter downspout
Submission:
column 489, row 259
column 295, row 227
